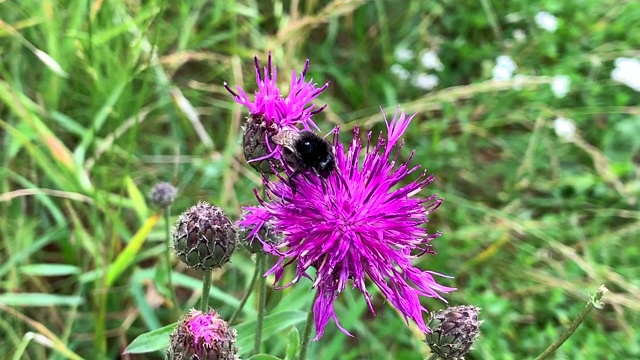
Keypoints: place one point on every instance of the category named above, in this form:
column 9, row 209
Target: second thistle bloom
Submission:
column 203, row 336
column 270, row 112
column 358, row 223
column 204, row 237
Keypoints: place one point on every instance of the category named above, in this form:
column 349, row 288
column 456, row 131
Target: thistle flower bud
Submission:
column 204, row 238
column 267, row 233
column 163, row 194
column 254, row 143
column 201, row 336
column 454, row 330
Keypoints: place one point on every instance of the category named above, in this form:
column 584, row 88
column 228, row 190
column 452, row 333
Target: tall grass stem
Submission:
column 243, row 302
column 167, row 261
column 206, row 286
column 261, row 260
column 594, row 302
column 306, row 334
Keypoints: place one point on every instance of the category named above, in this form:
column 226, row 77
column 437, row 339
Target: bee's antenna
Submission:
column 329, row 133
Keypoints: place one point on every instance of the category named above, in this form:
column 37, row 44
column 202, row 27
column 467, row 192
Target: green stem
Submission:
column 433, row 357
column 306, row 334
column 100, row 340
column 252, row 285
column 167, row 262
column 593, row 302
column 206, row 286
column 261, row 260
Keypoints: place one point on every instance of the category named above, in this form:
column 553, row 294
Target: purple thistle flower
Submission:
column 279, row 112
column 354, row 224
column 203, row 336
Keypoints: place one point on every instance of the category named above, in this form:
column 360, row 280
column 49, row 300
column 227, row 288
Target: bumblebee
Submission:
column 306, row 151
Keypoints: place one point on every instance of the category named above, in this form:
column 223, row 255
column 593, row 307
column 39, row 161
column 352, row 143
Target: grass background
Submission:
column 531, row 224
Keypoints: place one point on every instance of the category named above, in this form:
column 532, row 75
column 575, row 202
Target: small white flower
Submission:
column 560, row 85
column 546, row 21
column 627, row 72
column 519, row 35
column 501, row 74
column 403, row 54
column 425, row 81
column 506, row 62
column 505, row 66
column 564, row 128
column 430, row 60
column 400, row 72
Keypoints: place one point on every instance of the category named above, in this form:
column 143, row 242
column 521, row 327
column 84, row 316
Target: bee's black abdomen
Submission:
column 315, row 153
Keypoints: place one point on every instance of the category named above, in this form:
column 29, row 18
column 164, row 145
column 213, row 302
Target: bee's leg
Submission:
column 292, row 184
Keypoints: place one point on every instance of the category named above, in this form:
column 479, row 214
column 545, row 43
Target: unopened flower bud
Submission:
column 454, row 330
column 254, row 143
column 163, row 194
column 267, row 233
column 203, row 336
column 204, row 238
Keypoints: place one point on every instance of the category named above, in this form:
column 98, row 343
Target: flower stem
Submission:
column 433, row 357
column 252, row 284
column 206, row 286
column 306, row 334
column 167, row 261
column 261, row 260
column 593, row 302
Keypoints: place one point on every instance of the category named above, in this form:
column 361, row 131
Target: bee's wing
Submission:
column 285, row 138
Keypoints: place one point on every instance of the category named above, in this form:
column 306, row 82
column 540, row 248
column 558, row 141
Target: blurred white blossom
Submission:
column 504, row 69
column 519, row 35
column 546, row 21
column 564, row 128
column 403, row 54
column 627, row 72
column 560, row 85
column 400, row 72
column 425, row 81
column 430, row 60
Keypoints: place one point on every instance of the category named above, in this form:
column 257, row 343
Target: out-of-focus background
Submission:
column 528, row 115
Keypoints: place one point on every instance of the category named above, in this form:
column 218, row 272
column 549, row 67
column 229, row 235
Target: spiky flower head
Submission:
column 359, row 223
column 163, row 194
column 256, row 144
column 270, row 112
column 454, row 330
column 266, row 233
column 203, row 336
column 204, row 237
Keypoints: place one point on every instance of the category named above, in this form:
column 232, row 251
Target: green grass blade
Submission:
column 127, row 256
column 155, row 340
column 39, row 300
column 49, row 270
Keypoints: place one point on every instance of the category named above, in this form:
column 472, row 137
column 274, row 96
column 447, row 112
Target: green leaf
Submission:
column 263, row 357
column 39, row 299
column 293, row 343
column 49, row 270
column 272, row 324
column 155, row 340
